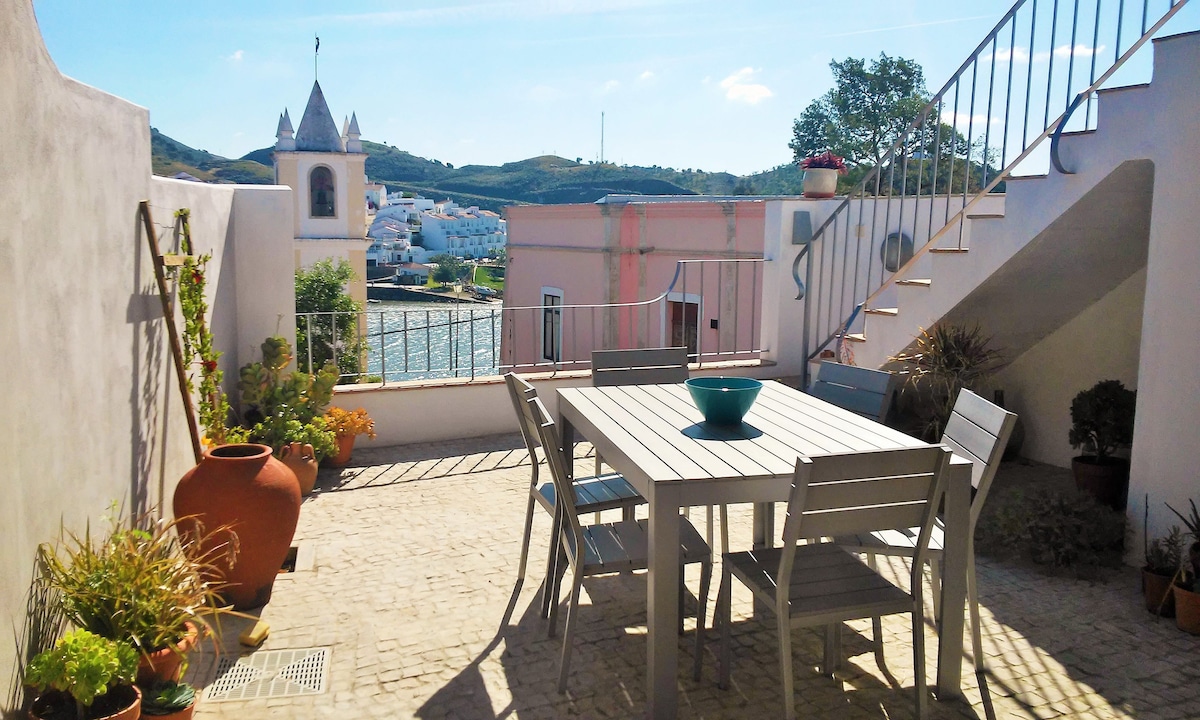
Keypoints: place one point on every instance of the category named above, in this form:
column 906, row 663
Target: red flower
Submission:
column 197, row 277
column 210, row 365
column 825, row 160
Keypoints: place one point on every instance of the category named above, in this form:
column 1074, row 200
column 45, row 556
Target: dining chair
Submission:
column 977, row 431
column 604, row 547
column 822, row 584
column 860, row 390
column 591, row 494
column 643, row 366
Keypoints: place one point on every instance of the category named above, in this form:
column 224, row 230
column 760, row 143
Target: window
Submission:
column 321, row 193
column 682, row 317
column 552, row 300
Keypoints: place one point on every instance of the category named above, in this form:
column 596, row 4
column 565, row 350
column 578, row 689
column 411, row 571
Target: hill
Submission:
column 541, row 180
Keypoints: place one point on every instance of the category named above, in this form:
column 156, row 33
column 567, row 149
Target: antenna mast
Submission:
column 602, row 137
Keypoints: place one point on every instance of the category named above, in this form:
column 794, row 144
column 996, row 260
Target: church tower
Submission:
column 326, row 171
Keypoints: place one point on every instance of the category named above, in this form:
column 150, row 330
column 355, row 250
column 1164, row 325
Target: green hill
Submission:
column 541, row 180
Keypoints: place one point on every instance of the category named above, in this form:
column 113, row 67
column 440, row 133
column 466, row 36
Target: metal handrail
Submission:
column 839, row 300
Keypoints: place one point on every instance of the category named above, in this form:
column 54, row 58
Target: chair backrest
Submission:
column 978, row 431
column 535, row 414
column 850, row 493
column 521, row 392
column 647, row 366
column 860, row 390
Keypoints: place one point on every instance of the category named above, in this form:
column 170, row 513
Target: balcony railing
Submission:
column 711, row 306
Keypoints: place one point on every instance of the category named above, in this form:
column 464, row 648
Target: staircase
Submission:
column 1021, row 262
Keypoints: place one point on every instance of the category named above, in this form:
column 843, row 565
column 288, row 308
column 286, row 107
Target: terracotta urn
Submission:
column 241, row 496
column 167, row 664
column 302, row 461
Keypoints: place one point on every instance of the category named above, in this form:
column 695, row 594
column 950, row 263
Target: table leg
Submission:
column 954, row 582
column 662, row 603
column 568, row 441
column 764, row 537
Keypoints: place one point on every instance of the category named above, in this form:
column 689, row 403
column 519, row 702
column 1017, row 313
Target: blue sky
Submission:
column 711, row 85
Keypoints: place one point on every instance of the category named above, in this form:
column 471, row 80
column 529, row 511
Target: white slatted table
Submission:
column 655, row 437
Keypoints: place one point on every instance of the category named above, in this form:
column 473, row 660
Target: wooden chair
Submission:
column 649, row 366
column 823, row 584
column 978, row 431
column 860, row 390
column 604, row 548
column 591, row 494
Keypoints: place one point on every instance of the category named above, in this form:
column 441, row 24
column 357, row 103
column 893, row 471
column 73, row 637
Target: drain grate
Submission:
column 270, row 673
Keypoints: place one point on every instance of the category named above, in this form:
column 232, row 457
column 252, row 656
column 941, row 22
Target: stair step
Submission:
column 985, row 216
column 892, row 312
column 949, row 250
column 856, row 337
column 916, row 282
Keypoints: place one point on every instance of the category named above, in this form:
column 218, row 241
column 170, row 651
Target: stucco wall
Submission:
column 93, row 414
column 1101, row 343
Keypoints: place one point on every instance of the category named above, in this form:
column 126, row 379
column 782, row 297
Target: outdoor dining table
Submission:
column 656, row 438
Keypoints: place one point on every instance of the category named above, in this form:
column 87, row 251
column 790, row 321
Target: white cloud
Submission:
column 237, row 56
column 739, row 88
column 1003, row 55
column 1064, row 51
column 646, row 75
column 610, row 86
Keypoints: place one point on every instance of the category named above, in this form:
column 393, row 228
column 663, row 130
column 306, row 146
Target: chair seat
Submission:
column 902, row 542
column 827, row 583
column 622, row 546
column 594, row 494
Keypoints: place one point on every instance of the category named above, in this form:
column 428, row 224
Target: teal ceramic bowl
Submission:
column 723, row 400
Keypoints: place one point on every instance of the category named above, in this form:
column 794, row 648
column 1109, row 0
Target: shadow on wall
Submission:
column 43, row 624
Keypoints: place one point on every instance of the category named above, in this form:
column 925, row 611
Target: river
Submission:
column 427, row 341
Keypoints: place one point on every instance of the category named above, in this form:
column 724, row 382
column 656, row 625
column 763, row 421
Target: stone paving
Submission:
column 411, row 558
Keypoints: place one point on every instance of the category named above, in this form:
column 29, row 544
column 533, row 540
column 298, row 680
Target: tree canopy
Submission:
column 865, row 112
column 322, row 289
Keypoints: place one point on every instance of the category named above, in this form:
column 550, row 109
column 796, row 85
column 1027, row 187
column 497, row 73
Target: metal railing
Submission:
column 711, row 306
column 1022, row 84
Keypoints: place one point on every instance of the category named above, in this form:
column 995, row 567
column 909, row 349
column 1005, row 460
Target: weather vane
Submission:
column 316, row 51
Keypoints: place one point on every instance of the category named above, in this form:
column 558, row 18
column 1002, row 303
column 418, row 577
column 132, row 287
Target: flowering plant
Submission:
column 347, row 423
column 825, row 160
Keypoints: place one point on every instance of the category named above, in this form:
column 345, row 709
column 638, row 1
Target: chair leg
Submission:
column 705, row 582
column 564, row 663
column 918, row 626
column 877, row 636
column 682, row 591
column 525, row 539
column 549, row 591
column 785, row 665
column 599, row 463
column 723, row 616
column 935, row 583
column 708, row 525
column 724, row 529
column 976, row 628
column 555, row 584
column 832, row 658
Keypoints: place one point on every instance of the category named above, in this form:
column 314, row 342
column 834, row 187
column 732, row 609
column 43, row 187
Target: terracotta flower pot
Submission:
column 166, row 665
column 1187, row 610
column 301, row 459
column 820, row 182
column 1157, row 592
column 184, row 714
column 345, row 450
column 123, row 702
column 1106, row 480
column 258, row 498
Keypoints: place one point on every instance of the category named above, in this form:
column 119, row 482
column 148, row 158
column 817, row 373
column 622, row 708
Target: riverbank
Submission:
column 410, row 293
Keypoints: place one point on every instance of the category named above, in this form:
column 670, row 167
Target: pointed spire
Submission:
column 353, row 144
column 317, row 132
column 283, row 133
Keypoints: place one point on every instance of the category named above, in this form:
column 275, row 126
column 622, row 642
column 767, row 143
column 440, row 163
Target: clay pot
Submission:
column 184, row 714
column 302, row 461
column 1106, row 480
column 1187, row 610
column 820, row 182
column 345, row 450
column 166, row 665
column 254, row 496
column 1157, row 591
column 125, row 701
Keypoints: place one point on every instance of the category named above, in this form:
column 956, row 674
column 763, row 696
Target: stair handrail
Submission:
column 826, row 233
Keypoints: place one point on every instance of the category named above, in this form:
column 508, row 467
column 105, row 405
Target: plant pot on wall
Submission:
column 1106, row 479
column 244, row 488
column 820, row 182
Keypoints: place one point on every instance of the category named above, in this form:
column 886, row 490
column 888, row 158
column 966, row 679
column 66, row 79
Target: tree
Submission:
column 866, row 111
column 449, row 268
column 322, row 289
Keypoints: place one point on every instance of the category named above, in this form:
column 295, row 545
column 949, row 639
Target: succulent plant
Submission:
column 83, row 665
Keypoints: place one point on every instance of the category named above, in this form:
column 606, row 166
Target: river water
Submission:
column 427, row 341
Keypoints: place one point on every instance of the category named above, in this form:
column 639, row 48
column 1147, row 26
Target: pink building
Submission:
column 607, row 275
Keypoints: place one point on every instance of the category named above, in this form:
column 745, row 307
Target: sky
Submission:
column 709, row 85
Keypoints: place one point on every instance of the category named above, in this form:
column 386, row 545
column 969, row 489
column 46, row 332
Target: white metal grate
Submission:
column 271, row 673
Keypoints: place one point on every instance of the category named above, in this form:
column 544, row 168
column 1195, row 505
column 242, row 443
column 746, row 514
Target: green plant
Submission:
column 139, row 585
column 1190, row 570
column 1064, row 530
column 1164, row 554
column 946, row 359
column 1102, row 418
column 283, row 408
column 167, row 698
column 83, row 665
column 332, row 328
column 349, row 423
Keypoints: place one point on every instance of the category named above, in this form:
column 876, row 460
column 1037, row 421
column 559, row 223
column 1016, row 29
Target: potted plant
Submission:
column 85, row 676
column 821, row 174
column 141, row 586
column 169, row 701
column 1187, row 594
column 1101, row 424
column 347, row 425
column 1162, row 563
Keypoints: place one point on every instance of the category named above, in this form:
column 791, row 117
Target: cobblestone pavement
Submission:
column 412, row 556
